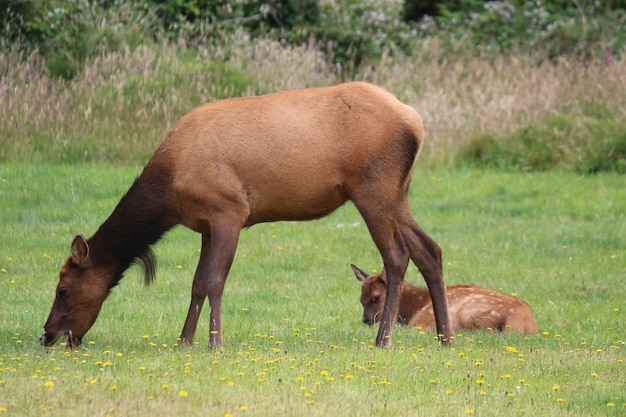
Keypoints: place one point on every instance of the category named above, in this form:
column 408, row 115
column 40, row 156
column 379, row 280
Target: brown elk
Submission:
column 471, row 307
column 234, row 163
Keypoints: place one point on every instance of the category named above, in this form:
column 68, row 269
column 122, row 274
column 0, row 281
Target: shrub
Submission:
column 560, row 141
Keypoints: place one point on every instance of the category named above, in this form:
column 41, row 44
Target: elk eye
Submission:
column 377, row 299
column 62, row 291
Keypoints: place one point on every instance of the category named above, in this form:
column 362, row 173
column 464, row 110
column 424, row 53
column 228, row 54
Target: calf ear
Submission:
column 383, row 277
column 80, row 250
column 359, row 273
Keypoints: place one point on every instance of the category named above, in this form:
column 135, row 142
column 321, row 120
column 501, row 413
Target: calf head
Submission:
column 373, row 293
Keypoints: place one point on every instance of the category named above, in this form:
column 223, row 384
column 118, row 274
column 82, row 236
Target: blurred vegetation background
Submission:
column 509, row 84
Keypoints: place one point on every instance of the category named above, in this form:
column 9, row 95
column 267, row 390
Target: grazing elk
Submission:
column 234, row 163
column 471, row 307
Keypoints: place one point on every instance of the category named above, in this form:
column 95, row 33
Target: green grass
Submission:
column 294, row 344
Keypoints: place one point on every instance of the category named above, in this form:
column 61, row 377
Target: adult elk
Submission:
column 471, row 307
column 234, row 163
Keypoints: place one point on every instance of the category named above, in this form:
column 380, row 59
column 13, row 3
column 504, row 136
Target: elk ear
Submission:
column 80, row 250
column 359, row 273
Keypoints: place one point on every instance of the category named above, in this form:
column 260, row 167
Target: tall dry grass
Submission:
column 467, row 98
column 119, row 107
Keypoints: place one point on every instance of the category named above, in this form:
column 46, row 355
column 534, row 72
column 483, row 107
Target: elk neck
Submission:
column 138, row 221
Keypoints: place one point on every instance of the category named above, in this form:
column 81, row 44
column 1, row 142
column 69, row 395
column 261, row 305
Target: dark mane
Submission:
column 140, row 219
column 147, row 262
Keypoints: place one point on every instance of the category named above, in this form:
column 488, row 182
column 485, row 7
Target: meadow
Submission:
column 520, row 181
column 294, row 343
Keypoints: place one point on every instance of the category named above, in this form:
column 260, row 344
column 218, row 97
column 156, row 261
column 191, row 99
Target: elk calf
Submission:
column 471, row 307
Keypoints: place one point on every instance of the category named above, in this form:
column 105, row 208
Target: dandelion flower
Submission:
column 183, row 393
column 49, row 384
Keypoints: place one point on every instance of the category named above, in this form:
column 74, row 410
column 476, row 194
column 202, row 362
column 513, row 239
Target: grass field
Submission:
column 294, row 344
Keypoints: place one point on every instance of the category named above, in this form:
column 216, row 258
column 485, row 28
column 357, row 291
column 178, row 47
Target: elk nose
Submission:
column 42, row 340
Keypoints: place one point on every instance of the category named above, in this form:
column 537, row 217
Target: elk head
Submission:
column 79, row 296
column 373, row 293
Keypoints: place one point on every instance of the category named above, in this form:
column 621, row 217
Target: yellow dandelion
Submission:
column 3, row 410
column 243, row 407
column 482, row 392
column 469, row 411
column 49, row 384
column 165, row 386
column 559, row 400
column 113, row 388
column 183, row 393
column 349, row 376
column 610, row 405
column 556, row 387
column 448, row 392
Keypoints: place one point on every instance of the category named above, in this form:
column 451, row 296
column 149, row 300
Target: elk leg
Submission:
column 216, row 258
column 198, row 293
column 224, row 239
column 427, row 256
column 390, row 243
column 395, row 270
